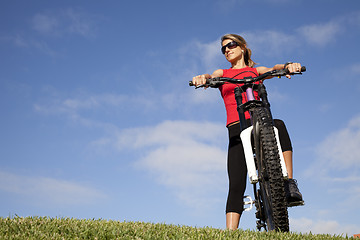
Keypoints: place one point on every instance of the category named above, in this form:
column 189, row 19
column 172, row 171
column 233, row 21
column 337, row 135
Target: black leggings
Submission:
column 236, row 166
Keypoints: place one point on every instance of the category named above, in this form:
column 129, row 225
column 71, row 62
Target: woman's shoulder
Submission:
column 218, row 73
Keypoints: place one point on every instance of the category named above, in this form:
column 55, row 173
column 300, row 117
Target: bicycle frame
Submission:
column 251, row 132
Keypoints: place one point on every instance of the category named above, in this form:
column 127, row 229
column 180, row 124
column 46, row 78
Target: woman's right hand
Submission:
column 200, row 79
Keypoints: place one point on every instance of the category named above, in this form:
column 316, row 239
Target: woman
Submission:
column 234, row 47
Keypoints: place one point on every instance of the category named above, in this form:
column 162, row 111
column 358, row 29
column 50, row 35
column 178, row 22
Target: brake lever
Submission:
column 200, row 86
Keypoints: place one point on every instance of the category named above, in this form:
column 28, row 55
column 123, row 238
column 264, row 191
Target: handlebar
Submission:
column 216, row 82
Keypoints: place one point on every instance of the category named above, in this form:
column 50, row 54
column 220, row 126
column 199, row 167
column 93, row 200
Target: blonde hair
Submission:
column 243, row 45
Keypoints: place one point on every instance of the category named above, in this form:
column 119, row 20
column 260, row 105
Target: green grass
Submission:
column 69, row 228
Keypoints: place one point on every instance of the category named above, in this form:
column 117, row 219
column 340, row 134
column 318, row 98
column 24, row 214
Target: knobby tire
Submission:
column 270, row 173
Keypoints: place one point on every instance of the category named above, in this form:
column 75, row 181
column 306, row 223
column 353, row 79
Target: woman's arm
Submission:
column 262, row 70
column 293, row 67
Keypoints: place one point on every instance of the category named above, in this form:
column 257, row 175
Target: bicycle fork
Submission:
column 245, row 136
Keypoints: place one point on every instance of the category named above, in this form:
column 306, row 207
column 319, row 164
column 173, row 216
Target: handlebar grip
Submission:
column 207, row 82
column 303, row 69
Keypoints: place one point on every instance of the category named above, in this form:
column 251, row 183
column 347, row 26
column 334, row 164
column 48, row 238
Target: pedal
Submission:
column 296, row 204
column 249, row 202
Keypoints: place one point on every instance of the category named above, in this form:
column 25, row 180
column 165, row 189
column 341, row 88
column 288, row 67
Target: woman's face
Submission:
column 232, row 53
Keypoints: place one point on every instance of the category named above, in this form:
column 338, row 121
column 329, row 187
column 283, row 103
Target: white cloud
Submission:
column 210, row 54
column 225, row 5
column 321, row 34
column 277, row 96
column 25, row 42
column 49, row 191
column 340, row 150
column 202, row 55
column 355, row 68
column 270, row 42
column 56, row 24
column 332, row 227
column 45, row 23
column 273, row 42
column 72, row 106
column 185, row 156
column 337, row 156
column 79, row 23
column 81, row 106
column 353, row 19
column 19, row 41
column 68, row 21
column 204, row 96
column 172, row 132
column 337, row 164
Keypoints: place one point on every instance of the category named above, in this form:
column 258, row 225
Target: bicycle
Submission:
column 264, row 159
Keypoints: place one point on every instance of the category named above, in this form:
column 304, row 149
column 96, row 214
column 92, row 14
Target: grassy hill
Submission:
column 69, row 228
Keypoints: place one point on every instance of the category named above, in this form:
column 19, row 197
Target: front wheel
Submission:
column 271, row 179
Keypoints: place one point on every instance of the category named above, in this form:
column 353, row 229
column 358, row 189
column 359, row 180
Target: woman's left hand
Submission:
column 293, row 67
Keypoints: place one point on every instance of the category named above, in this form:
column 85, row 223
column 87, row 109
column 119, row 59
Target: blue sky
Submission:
column 97, row 119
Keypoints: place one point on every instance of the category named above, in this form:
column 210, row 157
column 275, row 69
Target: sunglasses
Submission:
column 230, row 45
